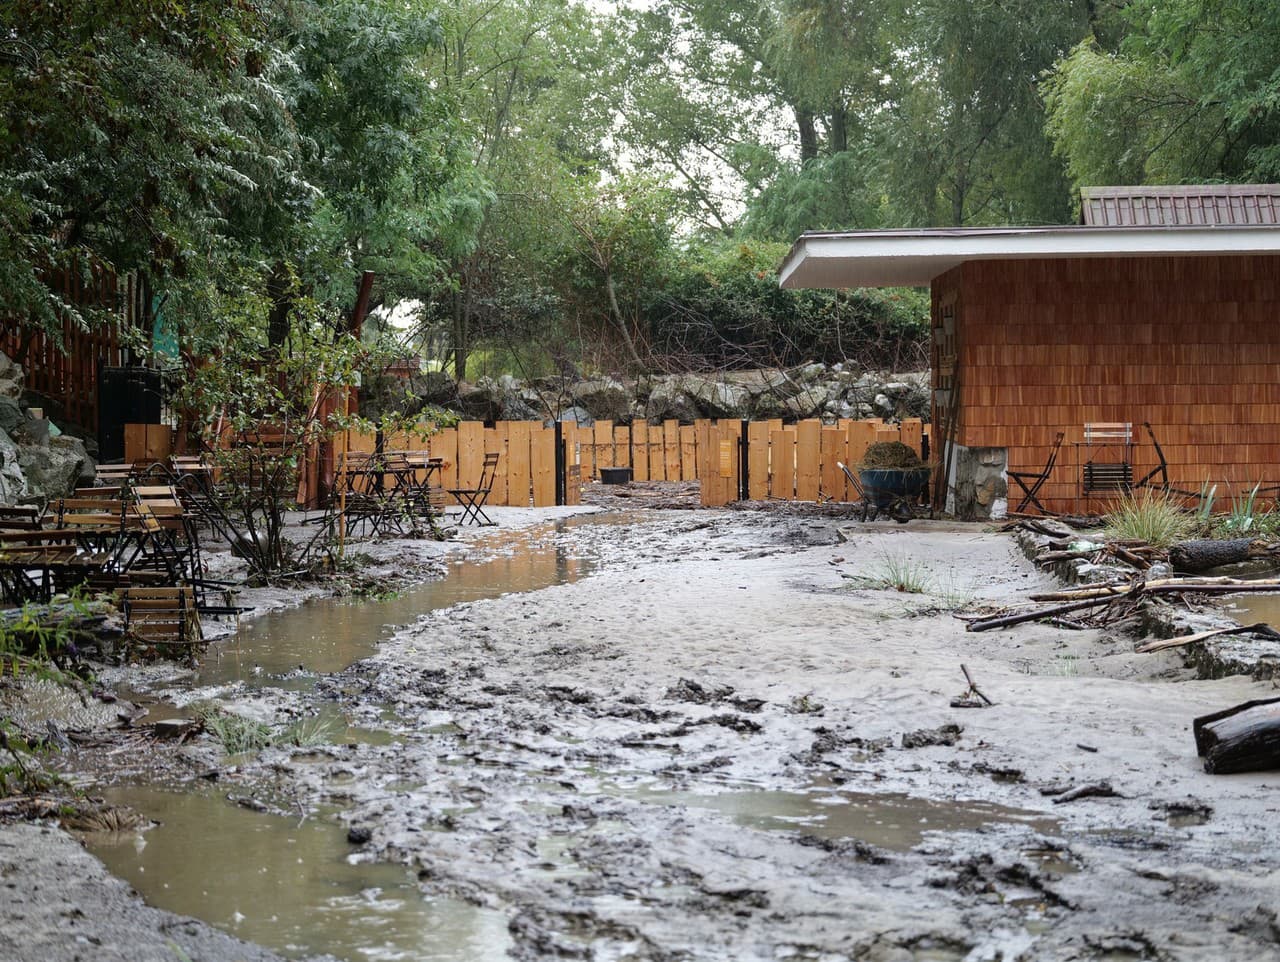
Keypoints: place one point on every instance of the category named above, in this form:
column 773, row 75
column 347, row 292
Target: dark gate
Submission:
column 127, row 395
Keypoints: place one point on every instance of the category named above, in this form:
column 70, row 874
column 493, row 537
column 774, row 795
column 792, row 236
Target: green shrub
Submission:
column 1150, row 516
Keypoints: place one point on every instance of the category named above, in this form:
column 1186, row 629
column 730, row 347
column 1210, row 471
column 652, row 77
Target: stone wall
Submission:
column 978, row 487
column 810, row 390
column 37, row 461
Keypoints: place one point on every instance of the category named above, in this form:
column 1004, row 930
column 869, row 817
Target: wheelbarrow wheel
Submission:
column 902, row 512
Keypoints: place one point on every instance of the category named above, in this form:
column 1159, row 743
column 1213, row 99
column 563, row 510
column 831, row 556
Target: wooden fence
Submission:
column 546, row 465
column 762, row 460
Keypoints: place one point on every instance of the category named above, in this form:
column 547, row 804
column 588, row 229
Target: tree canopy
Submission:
column 548, row 182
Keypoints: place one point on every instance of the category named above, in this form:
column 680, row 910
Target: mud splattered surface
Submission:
column 727, row 743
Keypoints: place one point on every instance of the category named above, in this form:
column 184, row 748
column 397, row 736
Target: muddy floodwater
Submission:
column 287, row 883
column 699, row 736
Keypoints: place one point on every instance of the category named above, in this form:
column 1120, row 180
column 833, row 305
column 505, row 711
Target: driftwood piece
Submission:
column 1245, row 738
column 1092, row 790
column 1220, row 585
column 1205, row 553
column 1259, row 629
column 1007, row 621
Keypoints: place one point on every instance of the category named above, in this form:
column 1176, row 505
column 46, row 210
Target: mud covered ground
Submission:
column 729, row 743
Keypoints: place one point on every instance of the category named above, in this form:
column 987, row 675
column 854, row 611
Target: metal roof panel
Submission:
column 1189, row 205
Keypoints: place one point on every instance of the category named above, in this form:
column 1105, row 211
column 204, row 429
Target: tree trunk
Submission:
column 808, row 135
column 839, row 139
column 280, row 290
column 460, row 332
column 622, row 323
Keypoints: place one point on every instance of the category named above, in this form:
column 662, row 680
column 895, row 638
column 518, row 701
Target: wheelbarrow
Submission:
column 894, row 493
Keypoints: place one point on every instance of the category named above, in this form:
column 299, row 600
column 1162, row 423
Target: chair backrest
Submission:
column 489, row 471
column 1053, row 453
column 1108, row 432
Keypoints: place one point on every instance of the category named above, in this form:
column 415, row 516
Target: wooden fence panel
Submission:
column 445, row 446
column 910, row 431
column 782, row 462
column 603, row 446
column 834, row 447
column 640, row 450
column 622, row 446
column 495, row 442
column 470, row 453
column 519, row 472
column 543, row 465
column 657, row 456
column 758, row 460
column 808, row 451
column 671, row 448
column 862, row 435
column 688, row 453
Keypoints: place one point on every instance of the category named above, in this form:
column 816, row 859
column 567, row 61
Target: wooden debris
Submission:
column 1259, row 629
column 1205, row 553
column 1245, row 738
column 1092, row 790
column 973, row 697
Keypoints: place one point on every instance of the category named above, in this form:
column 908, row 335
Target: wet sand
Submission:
column 698, row 752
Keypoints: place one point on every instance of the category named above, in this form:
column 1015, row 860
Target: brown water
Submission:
column 330, row 634
column 1251, row 609
column 895, row 822
column 287, row 884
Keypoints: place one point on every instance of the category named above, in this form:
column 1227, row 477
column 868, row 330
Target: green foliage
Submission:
column 722, row 304
column 1191, row 93
column 1149, row 516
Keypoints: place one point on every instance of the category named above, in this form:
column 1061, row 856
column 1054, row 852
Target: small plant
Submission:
column 1245, row 517
column 236, row 733
column 309, row 733
column 1149, row 516
column 899, row 572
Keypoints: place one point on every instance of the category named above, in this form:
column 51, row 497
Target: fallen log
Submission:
column 1245, row 738
column 1205, row 553
column 1178, row 642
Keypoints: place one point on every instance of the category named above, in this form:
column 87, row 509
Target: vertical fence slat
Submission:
column 782, row 459
column 758, row 460
column 495, row 442
column 518, row 473
column 543, row 465
column 603, row 446
column 671, row 449
column 470, row 453
column 834, row 447
column 622, row 446
column 808, row 434
column 688, row 453
column 640, row 450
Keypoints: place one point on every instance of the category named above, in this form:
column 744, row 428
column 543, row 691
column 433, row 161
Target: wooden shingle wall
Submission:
column 1191, row 344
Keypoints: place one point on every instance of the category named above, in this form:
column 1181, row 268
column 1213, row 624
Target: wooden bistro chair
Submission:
column 473, row 499
column 1032, row 481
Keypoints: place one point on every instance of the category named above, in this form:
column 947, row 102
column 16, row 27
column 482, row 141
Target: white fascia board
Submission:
column 915, row 258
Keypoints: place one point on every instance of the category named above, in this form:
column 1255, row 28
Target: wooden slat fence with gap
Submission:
column 792, row 463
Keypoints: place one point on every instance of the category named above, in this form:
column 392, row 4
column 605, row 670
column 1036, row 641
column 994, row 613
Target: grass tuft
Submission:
column 1150, row 516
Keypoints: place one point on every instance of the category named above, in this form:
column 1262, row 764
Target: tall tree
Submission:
column 1192, row 93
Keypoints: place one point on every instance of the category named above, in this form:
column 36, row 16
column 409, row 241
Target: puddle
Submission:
column 286, row 885
column 1251, row 609
column 894, row 822
column 284, row 648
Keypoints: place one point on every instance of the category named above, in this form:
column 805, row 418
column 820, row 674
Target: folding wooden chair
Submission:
column 1032, row 481
column 473, row 499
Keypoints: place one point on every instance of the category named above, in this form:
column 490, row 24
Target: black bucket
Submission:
column 615, row 475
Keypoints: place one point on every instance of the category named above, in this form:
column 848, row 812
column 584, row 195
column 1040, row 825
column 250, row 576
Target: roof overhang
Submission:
column 913, row 258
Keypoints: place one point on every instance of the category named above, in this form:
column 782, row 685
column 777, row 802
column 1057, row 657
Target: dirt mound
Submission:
column 888, row 455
